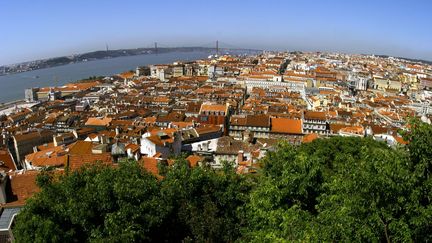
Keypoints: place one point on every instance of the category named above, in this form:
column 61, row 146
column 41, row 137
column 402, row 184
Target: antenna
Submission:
column 56, row 81
column 156, row 49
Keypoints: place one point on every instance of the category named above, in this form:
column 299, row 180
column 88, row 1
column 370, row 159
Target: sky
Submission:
column 46, row 28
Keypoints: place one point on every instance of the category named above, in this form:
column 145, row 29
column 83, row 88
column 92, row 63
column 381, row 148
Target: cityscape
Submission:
column 233, row 144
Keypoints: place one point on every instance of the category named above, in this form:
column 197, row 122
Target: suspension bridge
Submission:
column 216, row 47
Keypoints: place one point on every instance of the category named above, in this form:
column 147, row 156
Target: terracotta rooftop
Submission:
column 72, row 87
column 6, row 161
column 150, row 164
column 93, row 121
column 315, row 115
column 54, row 156
column 359, row 130
column 286, row 125
column 258, row 120
column 205, row 129
column 156, row 131
column 81, row 147
column 76, row 161
column 335, row 127
column 238, row 120
column 400, row 140
column 45, row 146
column 133, row 147
column 161, row 99
column 161, row 139
column 194, row 159
column 126, row 75
column 309, row 137
column 214, row 108
column 182, row 124
column 22, row 187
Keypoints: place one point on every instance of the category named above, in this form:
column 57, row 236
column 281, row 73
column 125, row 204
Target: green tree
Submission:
column 94, row 203
column 203, row 203
column 341, row 189
column 368, row 199
column 127, row 204
column 419, row 136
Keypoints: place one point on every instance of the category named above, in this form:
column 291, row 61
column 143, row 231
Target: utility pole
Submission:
column 156, row 50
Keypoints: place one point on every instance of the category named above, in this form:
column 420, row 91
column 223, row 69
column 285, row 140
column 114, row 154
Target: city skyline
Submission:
column 50, row 29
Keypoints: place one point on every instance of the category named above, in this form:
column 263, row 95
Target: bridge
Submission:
column 217, row 47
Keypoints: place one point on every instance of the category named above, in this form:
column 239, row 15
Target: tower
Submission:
column 217, row 47
column 155, row 47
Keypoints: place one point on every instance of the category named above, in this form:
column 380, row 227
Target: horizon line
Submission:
column 229, row 48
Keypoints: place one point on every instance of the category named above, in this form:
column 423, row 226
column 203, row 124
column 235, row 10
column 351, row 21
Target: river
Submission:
column 12, row 86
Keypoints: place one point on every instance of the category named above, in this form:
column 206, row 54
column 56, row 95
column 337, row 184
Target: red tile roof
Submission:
column 55, row 156
column 72, row 87
column 286, row 125
column 93, row 121
column 400, row 140
column 151, row 165
column 23, row 186
column 309, row 137
column 76, row 161
column 194, row 160
column 315, row 115
column 359, row 130
column 133, row 147
column 336, row 127
column 81, row 147
column 214, row 108
column 7, row 161
column 127, row 75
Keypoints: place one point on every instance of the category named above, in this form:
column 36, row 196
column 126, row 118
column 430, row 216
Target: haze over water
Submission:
column 12, row 86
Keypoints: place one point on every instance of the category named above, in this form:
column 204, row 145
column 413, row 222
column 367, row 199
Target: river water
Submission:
column 12, row 86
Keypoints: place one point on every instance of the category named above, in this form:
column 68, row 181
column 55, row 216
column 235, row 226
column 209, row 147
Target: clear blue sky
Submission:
column 47, row 28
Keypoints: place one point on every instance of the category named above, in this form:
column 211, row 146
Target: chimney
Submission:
column 247, row 136
column 55, row 141
column 240, row 156
column 75, row 133
column 103, row 139
column 3, row 182
column 369, row 131
column 129, row 152
column 205, row 147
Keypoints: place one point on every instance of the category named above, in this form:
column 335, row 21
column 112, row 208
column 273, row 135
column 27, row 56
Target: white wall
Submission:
column 147, row 147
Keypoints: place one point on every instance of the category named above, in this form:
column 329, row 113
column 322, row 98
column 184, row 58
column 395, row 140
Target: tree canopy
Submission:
column 345, row 189
column 336, row 189
column 127, row 204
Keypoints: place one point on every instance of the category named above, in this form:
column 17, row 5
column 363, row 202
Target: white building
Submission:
column 162, row 143
column 264, row 84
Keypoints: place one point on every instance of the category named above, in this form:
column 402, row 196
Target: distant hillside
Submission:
column 95, row 55
column 408, row 59
column 133, row 52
